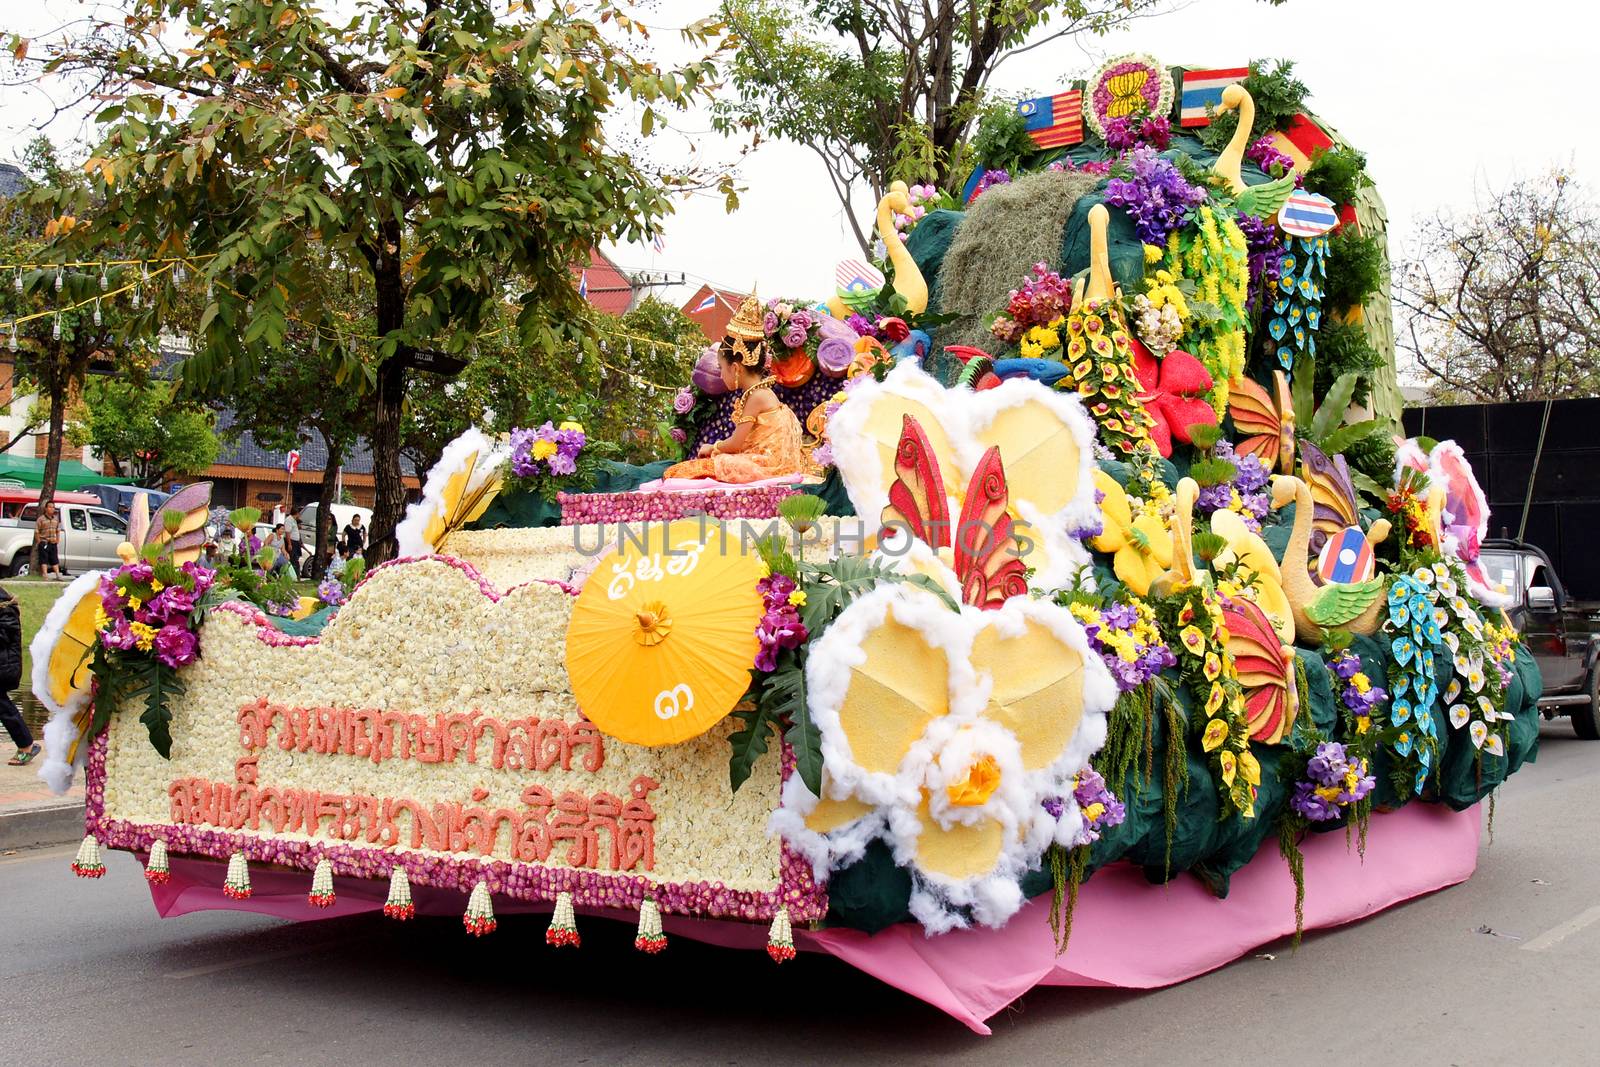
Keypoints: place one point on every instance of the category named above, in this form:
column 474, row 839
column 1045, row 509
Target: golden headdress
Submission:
column 747, row 337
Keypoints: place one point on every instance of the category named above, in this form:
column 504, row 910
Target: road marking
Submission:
column 260, row 957
column 1554, row 936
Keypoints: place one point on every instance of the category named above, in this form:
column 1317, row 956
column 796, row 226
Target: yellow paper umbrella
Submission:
column 69, row 656
column 663, row 635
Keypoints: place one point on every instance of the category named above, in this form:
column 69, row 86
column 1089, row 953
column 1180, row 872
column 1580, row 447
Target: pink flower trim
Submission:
column 523, row 881
column 602, row 508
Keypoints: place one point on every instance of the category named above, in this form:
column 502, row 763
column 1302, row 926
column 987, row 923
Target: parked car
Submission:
column 341, row 519
column 13, row 498
column 119, row 498
column 89, row 536
column 1562, row 633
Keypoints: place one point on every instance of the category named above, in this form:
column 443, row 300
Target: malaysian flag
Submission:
column 291, row 462
column 855, row 276
column 705, row 305
column 1202, row 89
column 1054, row 121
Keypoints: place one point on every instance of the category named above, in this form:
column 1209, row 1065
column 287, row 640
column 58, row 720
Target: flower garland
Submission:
column 1474, row 699
column 1297, row 300
column 1209, row 673
column 1358, row 695
column 1215, row 255
column 1266, row 256
column 1103, row 377
column 147, row 623
column 1415, row 641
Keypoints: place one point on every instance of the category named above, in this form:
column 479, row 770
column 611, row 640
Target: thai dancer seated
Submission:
column 766, row 438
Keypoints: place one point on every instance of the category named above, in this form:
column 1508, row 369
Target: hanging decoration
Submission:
column 563, row 929
column 780, row 937
column 479, row 919
column 322, row 894
column 1297, row 300
column 237, row 884
column 398, row 906
column 87, row 863
column 650, row 939
column 158, row 869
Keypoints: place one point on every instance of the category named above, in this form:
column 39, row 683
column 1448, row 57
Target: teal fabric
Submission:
column 309, row 626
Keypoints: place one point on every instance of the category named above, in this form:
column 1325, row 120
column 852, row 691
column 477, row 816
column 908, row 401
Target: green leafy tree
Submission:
column 54, row 352
column 443, row 147
column 140, row 424
column 881, row 90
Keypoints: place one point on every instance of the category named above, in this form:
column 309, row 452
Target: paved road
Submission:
column 92, row 976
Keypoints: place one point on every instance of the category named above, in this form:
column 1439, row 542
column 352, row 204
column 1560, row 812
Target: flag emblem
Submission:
column 856, row 276
column 291, row 462
column 659, row 244
column 1346, row 558
column 707, row 304
column 1054, row 121
column 1307, row 214
column 583, row 285
column 1202, row 88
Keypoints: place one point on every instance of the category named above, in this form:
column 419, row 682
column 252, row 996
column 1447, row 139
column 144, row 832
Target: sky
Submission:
column 1446, row 99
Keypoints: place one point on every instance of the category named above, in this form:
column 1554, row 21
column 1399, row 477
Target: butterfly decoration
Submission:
column 1334, row 496
column 983, row 553
column 1297, row 299
column 1127, row 93
column 1266, row 419
column 185, row 542
column 1266, row 671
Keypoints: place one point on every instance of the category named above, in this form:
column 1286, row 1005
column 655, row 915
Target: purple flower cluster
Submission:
column 1100, row 807
column 1151, row 190
column 1130, row 131
column 1265, row 154
column 863, row 326
column 1250, row 480
column 1266, row 251
column 1132, row 657
column 991, row 178
column 1332, row 781
column 1361, row 697
column 145, row 614
column 558, row 448
column 331, row 590
column 780, row 627
column 1043, row 297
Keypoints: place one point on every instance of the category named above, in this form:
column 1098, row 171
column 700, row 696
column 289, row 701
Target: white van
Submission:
column 341, row 519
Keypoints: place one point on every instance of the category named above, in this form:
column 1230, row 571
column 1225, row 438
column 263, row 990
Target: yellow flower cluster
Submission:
column 1041, row 339
column 1127, row 644
column 1162, row 289
column 1218, row 261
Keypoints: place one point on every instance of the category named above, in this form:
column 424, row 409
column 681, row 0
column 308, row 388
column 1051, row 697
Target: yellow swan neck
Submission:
column 1231, row 160
column 908, row 280
column 1100, row 286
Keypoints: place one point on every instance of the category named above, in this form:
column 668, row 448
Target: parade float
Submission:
column 1106, row 635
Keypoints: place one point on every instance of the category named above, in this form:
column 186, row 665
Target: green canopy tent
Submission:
column 70, row 475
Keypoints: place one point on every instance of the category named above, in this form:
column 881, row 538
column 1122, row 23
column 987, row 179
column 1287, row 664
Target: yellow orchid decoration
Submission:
column 1255, row 563
column 1141, row 547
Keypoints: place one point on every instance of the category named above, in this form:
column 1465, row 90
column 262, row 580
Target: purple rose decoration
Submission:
column 794, row 335
column 708, row 373
column 175, row 645
column 678, row 435
column 834, row 356
column 769, row 322
column 683, row 402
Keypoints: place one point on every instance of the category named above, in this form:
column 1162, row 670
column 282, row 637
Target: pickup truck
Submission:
column 89, row 538
column 1562, row 633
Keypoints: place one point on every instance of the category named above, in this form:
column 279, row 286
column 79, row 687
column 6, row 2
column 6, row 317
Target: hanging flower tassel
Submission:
column 399, row 905
column 479, row 919
column 237, row 885
column 563, row 928
column 88, row 863
column 780, row 938
column 157, row 869
column 322, row 894
column 649, row 938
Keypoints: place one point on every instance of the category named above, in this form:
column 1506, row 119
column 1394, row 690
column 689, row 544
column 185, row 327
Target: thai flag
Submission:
column 1307, row 214
column 707, row 304
column 853, row 275
column 1053, row 121
column 659, row 244
column 1202, row 88
column 292, row 461
column 583, row 285
column 1346, row 558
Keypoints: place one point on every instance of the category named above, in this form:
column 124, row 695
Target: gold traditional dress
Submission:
column 772, row 449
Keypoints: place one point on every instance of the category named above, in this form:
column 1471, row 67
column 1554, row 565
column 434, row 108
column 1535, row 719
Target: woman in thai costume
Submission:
column 766, row 438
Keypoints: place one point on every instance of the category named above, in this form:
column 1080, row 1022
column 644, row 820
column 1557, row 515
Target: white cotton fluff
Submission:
column 54, row 770
column 409, row 534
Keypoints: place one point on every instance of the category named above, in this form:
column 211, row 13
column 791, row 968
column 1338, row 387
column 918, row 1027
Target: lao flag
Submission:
column 1202, row 88
column 705, row 305
column 292, row 461
column 1346, row 558
column 1054, row 121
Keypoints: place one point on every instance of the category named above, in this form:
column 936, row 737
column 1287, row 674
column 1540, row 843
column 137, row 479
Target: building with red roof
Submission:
column 604, row 284
column 711, row 308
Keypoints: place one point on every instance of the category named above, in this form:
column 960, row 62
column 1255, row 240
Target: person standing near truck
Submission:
column 47, row 535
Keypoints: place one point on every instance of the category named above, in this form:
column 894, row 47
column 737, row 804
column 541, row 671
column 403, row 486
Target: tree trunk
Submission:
column 325, row 501
column 384, row 440
column 52, row 457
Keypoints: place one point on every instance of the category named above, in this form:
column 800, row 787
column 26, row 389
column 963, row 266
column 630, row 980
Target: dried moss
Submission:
column 1006, row 231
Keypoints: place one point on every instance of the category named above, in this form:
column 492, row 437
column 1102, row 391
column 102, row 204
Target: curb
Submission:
column 58, row 823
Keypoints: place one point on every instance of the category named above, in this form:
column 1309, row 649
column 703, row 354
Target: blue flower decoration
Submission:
column 1402, row 744
column 1404, row 650
column 1400, row 711
column 1402, row 686
column 1399, row 614
column 1422, row 779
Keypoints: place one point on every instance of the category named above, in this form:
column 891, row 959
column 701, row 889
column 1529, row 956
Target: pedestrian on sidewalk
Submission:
column 10, row 675
column 47, row 533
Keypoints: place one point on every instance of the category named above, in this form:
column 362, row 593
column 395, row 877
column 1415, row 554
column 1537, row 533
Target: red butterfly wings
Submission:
column 987, row 564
